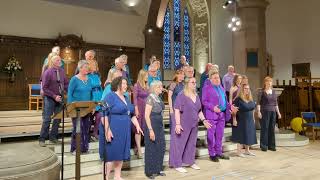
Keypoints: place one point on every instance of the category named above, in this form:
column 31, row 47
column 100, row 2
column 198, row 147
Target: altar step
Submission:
column 91, row 164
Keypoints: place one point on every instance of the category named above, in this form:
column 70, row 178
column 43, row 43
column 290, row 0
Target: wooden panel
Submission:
column 31, row 52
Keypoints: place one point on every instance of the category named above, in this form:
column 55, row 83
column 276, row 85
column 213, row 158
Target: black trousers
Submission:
column 267, row 136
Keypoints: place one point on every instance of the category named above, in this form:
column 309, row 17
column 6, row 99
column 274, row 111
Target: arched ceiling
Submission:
column 128, row 7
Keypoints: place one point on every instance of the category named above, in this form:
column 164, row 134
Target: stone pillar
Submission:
column 153, row 40
column 251, row 37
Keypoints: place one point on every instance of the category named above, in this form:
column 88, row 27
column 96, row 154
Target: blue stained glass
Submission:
column 176, row 24
column 186, row 35
column 176, row 11
column 177, row 53
column 167, row 40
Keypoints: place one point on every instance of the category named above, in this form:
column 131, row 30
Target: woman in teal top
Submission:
column 80, row 89
column 107, row 89
column 96, row 96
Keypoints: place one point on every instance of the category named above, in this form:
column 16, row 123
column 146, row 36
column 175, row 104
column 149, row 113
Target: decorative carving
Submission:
column 70, row 40
column 199, row 7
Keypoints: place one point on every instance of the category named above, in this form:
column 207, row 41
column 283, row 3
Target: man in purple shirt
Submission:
column 227, row 79
column 54, row 83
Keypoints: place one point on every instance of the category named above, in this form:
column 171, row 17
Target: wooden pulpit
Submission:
column 77, row 110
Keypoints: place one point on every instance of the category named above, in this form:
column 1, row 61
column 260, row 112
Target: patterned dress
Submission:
column 154, row 150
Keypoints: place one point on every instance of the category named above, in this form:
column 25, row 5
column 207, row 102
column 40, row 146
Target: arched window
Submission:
column 177, row 34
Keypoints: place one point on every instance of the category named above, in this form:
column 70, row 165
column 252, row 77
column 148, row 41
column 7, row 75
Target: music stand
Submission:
column 77, row 110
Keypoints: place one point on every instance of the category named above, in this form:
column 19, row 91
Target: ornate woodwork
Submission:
column 31, row 52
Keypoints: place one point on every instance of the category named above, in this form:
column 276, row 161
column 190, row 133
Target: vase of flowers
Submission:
column 12, row 67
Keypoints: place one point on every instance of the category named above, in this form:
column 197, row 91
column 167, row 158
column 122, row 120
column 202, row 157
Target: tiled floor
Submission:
column 287, row 163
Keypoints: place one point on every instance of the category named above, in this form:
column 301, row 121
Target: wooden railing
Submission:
column 303, row 96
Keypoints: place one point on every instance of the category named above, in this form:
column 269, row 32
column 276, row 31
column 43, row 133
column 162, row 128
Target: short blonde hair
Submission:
column 266, row 79
column 51, row 58
column 213, row 71
column 113, row 74
column 154, row 84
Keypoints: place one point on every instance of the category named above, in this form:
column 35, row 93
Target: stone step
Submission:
column 94, row 166
column 298, row 140
column 95, row 145
column 282, row 134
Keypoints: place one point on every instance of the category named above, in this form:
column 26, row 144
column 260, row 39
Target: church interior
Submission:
column 259, row 38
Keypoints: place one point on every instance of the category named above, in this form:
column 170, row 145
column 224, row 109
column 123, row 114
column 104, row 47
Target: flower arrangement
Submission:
column 12, row 66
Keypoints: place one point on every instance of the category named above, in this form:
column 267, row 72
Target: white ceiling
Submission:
column 130, row 7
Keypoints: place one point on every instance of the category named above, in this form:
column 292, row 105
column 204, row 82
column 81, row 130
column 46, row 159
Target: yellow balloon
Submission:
column 296, row 124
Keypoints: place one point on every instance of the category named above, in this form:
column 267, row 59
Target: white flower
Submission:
column 15, row 68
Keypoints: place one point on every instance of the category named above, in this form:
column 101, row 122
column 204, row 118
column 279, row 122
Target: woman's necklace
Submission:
column 83, row 79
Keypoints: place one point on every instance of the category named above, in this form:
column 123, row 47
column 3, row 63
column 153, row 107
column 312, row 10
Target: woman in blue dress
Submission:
column 243, row 130
column 80, row 89
column 114, row 148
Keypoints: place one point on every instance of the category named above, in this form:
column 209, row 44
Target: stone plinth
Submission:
column 28, row 162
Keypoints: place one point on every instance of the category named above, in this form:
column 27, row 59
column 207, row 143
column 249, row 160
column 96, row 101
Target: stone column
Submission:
column 251, row 37
column 153, row 40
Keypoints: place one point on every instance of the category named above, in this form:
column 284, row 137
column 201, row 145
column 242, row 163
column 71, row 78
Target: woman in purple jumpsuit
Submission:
column 184, row 132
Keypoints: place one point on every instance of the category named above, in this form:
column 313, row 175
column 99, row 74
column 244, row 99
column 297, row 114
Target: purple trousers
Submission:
column 95, row 120
column 183, row 147
column 215, row 136
column 85, row 138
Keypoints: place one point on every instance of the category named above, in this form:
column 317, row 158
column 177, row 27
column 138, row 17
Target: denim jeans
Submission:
column 50, row 107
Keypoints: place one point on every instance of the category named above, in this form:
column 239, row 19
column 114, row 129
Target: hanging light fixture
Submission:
column 235, row 23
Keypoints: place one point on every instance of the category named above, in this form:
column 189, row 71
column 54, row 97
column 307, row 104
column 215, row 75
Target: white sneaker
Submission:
column 241, row 155
column 181, row 170
column 249, row 153
column 194, row 166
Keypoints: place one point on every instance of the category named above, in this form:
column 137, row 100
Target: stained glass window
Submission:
column 176, row 22
column 186, row 34
column 167, row 40
column 172, row 36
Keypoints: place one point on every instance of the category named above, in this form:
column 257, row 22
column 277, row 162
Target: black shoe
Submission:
column 222, row 156
column 161, row 174
column 214, row 158
column 272, row 149
column 42, row 143
column 150, row 176
column 263, row 149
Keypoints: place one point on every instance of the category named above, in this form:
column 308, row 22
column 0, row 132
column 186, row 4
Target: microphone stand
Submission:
column 61, row 91
column 104, row 109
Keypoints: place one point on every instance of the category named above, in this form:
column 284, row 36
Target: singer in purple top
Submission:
column 217, row 110
column 54, row 83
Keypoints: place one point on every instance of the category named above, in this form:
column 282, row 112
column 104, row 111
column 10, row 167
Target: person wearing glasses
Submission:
column 243, row 130
column 217, row 111
column 184, row 133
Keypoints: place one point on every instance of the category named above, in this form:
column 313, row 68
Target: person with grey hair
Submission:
column 152, row 74
column 119, row 65
column 126, row 68
column 154, row 132
column 80, row 89
column 54, row 50
column 227, row 79
column 54, row 83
